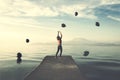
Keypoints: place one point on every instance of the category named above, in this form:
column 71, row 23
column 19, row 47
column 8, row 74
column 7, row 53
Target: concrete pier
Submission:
column 60, row 68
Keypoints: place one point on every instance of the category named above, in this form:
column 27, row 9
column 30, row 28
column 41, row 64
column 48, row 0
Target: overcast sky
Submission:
column 39, row 20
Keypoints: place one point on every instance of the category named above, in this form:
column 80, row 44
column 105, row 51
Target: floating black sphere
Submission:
column 86, row 53
column 97, row 24
column 76, row 13
column 63, row 25
column 19, row 55
column 27, row 40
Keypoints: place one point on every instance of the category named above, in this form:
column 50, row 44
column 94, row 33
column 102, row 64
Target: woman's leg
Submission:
column 61, row 50
column 57, row 51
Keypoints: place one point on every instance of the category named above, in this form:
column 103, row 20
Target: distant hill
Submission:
column 81, row 41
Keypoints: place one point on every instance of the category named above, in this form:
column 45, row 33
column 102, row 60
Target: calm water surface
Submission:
column 103, row 62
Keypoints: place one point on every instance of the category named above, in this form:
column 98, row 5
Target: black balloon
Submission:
column 19, row 55
column 97, row 24
column 27, row 40
column 86, row 53
column 63, row 25
column 76, row 13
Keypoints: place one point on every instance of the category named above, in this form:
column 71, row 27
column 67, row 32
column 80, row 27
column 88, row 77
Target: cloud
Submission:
column 83, row 10
column 53, row 8
column 29, row 8
column 110, row 2
column 108, row 11
column 23, row 23
column 114, row 18
column 24, row 8
column 27, row 12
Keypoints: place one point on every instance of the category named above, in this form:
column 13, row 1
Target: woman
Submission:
column 59, row 39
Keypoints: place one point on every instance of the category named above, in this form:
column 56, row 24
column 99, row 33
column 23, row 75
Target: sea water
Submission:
column 103, row 62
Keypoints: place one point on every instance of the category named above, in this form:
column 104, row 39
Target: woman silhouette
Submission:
column 59, row 39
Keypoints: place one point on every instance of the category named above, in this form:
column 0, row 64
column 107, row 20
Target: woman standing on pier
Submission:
column 59, row 39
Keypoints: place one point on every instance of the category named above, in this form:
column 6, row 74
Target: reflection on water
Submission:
column 96, row 69
column 19, row 61
column 19, row 55
column 98, row 65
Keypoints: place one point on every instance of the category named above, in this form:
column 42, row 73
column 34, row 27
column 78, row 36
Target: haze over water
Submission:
column 102, row 63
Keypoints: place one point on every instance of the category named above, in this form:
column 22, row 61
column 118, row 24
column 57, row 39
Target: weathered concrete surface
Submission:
column 61, row 68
